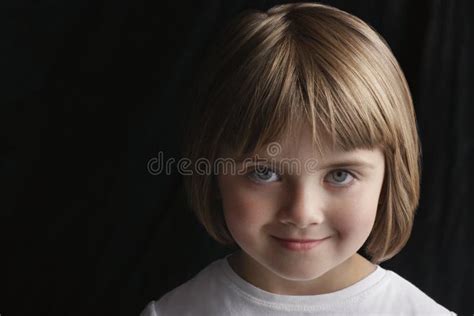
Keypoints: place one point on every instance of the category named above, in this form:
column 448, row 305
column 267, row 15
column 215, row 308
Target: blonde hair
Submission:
column 271, row 71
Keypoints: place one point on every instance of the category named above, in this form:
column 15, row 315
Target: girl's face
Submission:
column 334, row 202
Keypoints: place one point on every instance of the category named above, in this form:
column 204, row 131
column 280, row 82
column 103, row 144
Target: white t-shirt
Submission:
column 218, row 290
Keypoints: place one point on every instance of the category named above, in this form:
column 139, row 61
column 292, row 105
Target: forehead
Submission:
column 300, row 142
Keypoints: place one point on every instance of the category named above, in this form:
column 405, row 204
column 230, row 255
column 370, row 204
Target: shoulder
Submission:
column 150, row 310
column 395, row 293
column 195, row 292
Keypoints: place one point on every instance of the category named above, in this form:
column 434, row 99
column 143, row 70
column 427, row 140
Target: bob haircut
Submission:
column 306, row 63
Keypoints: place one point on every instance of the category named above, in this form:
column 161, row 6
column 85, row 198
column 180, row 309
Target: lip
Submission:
column 299, row 244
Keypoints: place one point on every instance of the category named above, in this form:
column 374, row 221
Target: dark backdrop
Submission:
column 92, row 90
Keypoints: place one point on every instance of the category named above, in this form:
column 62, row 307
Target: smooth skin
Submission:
column 337, row 201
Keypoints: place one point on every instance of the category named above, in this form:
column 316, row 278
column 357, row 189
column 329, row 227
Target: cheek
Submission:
column 245, row 211
column 355, row 215
column 242, row 209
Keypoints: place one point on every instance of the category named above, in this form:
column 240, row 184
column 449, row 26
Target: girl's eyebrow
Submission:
column 344, row 163
column 347, row 163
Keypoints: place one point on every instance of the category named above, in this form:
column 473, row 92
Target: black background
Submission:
column 91, row 90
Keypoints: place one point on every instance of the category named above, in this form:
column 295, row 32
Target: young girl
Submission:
column 310, row 116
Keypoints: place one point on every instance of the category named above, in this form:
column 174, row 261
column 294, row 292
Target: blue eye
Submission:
column 263, row 174
column 339, row 177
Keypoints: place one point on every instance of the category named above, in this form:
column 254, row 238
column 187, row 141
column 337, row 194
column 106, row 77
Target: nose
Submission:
column 304, row 206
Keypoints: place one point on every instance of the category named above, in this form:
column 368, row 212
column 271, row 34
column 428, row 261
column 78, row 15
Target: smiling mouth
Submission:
column 298, row 240
column 299, row 244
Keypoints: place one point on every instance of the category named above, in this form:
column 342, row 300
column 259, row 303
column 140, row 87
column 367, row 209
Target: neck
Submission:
column 347, row 273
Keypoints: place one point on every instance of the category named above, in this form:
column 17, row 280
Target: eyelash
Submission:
column 347, row 172
column 253, row 172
